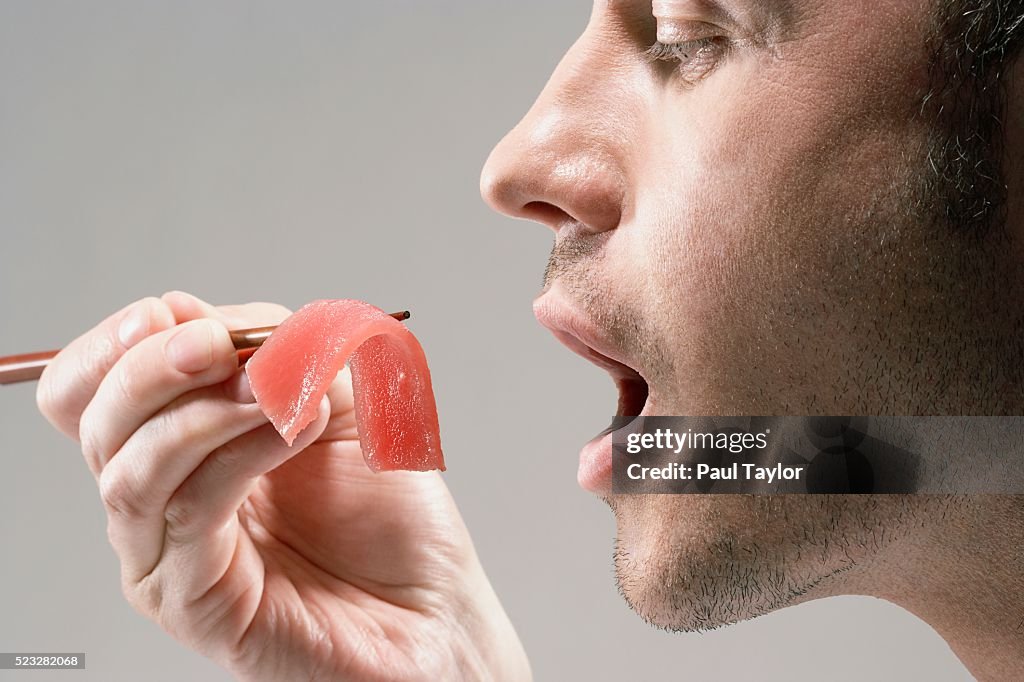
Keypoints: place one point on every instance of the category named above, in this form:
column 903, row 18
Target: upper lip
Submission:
column 580, row 336
column 583, row 337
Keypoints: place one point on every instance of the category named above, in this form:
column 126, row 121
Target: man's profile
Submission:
column 793, row 208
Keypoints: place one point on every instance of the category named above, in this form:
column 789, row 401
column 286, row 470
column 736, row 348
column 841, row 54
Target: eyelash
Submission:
column 696, row 58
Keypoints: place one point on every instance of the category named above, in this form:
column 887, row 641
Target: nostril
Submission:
column 545, row 213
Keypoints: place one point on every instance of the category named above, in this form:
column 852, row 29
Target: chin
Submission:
column 698, row 562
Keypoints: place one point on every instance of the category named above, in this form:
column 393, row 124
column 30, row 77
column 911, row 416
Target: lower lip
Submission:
column 595, row 471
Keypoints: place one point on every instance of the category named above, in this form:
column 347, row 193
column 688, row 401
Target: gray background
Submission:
column 301, row 150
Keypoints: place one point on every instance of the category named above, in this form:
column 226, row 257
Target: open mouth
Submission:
column 633, row 388
column 581, row 335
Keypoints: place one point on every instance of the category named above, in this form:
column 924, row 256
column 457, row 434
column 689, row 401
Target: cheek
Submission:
column 749, row 206
column 752, row 163
column 788, row 145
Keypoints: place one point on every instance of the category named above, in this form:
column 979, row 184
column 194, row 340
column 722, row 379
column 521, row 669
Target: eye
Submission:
column 696, row 58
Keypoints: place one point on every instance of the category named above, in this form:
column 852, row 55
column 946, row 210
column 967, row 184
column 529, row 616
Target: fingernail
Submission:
column 190, row 350
column 134, row 326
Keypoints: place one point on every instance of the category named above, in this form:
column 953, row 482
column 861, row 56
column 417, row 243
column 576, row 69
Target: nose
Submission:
column 563, row 163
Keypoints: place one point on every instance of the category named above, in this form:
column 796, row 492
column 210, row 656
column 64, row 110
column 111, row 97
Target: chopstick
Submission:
column 29, row 366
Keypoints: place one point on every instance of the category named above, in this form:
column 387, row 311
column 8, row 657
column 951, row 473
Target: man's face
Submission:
column 744, row 227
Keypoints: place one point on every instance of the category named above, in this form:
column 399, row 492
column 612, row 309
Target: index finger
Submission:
column 187, row 307
column 70, row 380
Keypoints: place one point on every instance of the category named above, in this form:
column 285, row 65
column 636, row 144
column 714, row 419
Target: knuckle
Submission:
column 121, row 497
column 181, row 520
column 63, row 380
column 125, row 384
column 48, row 400
column 160, row 312
column 96, row 353
column 179, row 299
column 92, row 449
column 145, row 594
column 152, row 302
column 222, row 464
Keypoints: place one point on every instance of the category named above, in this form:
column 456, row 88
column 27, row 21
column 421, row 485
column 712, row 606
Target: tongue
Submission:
column 396, row 416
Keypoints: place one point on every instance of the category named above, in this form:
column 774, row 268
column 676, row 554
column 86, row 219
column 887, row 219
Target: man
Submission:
column 792, row 207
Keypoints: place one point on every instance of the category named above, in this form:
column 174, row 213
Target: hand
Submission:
column 279, row 563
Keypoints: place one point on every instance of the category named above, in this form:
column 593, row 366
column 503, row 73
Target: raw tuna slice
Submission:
column 394, row 401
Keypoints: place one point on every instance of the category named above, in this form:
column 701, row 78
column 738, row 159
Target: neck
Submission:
column 964, row 576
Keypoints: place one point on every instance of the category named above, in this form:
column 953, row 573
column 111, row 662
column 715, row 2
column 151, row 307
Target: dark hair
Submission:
column 975, row 44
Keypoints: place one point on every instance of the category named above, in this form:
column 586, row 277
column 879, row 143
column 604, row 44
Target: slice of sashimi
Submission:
column 396, row 416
